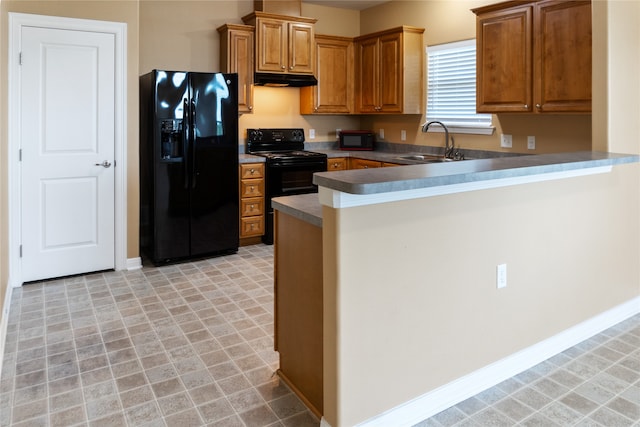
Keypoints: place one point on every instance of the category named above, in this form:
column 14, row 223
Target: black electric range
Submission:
column 289, row 168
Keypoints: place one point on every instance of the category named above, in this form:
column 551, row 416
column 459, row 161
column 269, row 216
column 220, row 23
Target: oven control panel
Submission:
column 275, row 135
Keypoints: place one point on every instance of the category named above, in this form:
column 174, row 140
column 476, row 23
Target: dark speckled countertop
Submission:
column 384, row 180
column 304, row 206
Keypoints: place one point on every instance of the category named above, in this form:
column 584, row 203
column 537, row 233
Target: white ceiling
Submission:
column 348, row 4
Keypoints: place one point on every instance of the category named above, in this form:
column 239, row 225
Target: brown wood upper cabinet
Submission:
column 334, row 65
column 284, row 44
column 236, row 56
column 534, row 57
column 389, row 71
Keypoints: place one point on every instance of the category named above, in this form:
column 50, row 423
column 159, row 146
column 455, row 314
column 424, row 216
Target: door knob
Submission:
column 104, row 164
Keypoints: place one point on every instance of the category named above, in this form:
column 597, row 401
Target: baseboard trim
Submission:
column 4, row 321
column 134, row 263
column 429, row 404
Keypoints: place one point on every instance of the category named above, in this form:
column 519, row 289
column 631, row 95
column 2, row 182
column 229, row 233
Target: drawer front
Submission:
column 251, row 226
column 364, row 164
column 251, row 170
column 338, row 164
column 252, row 206
column 251, row 188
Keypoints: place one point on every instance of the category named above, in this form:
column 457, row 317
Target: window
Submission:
column 451, row 88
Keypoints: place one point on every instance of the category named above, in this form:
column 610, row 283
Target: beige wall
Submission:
column 410, row 286
column 616, row 65
column 623, row 88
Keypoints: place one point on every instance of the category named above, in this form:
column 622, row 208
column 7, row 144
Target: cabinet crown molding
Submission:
column 251, row 18
column 403, row 28
column 241, row 27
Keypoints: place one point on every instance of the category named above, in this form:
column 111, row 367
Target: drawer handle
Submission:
column 252, row 171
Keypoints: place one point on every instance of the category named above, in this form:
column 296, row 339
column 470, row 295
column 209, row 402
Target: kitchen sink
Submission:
column 425, row 158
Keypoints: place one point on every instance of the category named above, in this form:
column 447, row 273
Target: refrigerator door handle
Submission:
column 185, row 145
column 193, row 142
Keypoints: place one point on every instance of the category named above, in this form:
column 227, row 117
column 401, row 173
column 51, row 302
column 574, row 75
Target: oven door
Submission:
column 287, row 179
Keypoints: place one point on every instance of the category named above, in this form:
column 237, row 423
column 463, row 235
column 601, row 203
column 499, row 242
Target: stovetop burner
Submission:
column 280, row 145
column 291, row 154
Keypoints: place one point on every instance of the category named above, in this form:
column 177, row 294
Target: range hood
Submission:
column 285, row 8
column 284, row 80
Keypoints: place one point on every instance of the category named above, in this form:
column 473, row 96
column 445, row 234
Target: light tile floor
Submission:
column 191, row 344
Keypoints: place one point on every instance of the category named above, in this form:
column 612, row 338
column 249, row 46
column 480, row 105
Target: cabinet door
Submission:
column 236, row 56
column 355, row 163
column 334, row 66
column 390, row 66
column 504, row 60
column 563, row 56
column 301, row 48
column 367, row 86
column 271, row 46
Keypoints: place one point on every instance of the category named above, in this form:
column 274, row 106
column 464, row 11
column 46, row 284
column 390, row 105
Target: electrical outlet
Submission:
column 403, row 135
column 312, row 133
column 338, row 133
column 381, row 133
column 501, row 276
column 506, row 141
column 531, row 142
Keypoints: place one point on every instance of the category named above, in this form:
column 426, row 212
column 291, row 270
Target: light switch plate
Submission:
column 381, row 133
column 403, row 135
column 338, row 133
column 506, row 141
column 501, row 276
column 531, row 142
column 312, row 133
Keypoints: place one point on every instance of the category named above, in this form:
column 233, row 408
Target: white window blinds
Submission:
column 451, row 86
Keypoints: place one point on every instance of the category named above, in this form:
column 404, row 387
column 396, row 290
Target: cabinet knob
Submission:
column 366, row 167
column 538, row 106
column 291, row 67
column 283, row 67
column 250, row 107
column 252, row 171
column 526, row 105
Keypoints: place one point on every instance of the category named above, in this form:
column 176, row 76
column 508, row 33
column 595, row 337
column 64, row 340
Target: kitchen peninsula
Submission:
column 409, row 318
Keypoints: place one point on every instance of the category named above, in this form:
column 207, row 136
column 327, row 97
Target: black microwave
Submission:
column 357, row 140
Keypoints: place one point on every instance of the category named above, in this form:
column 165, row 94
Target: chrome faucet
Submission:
column 448, row 150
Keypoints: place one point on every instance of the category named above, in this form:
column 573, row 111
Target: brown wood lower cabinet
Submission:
column 355, row 163
column 337, row 164
column 298, row 307
column 346, row 163
column 251, row 202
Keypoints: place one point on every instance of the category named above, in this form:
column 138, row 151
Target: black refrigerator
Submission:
column 188, row 165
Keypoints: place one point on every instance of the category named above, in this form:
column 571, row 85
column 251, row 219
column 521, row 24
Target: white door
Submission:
column 67, row 128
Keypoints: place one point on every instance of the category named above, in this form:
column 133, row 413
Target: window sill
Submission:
column 473, row 130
